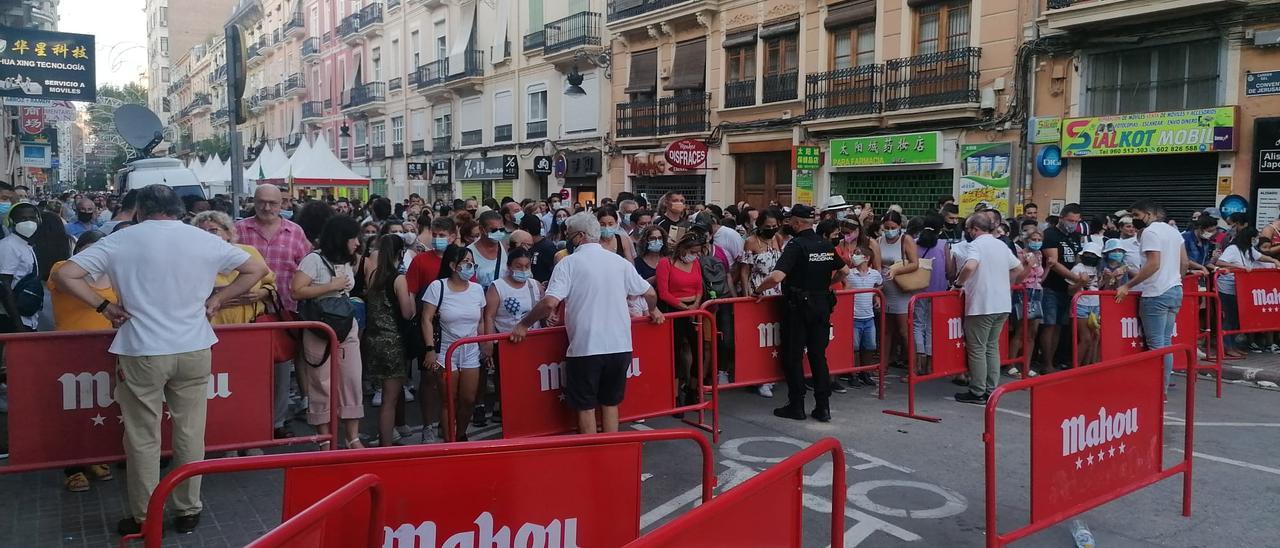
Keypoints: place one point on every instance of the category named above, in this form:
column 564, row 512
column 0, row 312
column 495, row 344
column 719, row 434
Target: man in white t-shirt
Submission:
column 1159, row 279
column 594, row 284
column 158, row 269
column 18, row 262
column 989, row 270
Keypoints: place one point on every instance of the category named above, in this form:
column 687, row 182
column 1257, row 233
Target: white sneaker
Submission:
column 1013, row 372
column 429, row 435
column 722, row 377
column 377, row 398
column 765, row 390
column 1200, row 353
column 405, row 430
column 408, row 395
column 255, row 452
column 1031, row 373
column 1275, row 349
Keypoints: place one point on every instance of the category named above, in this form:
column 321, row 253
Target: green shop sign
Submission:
column 887, row 150
column 1198, row 130
column 806, row 158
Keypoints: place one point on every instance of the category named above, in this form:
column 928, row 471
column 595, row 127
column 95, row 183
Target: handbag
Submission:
column 337, row 312
column 284, row 342
column 915, row 281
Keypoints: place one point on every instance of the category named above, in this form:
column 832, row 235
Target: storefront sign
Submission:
column 542, row 165
column 582, row 164
column 482, row 169
column 510, row 166
column 1049, row 161
column 35, row 156
column 440, row 168
column 804, row 188
column 887, row 150
column 984, row 177
column 1262, row 83
column 1233, row 203
column 1199, row 130
column 647, row 165
column 47, row 65
column 687, row 154
column 31, row 119
column 1265, row 172
column 1224, row 185
column 806, row 158
column 416, row 169
column 1045, row 130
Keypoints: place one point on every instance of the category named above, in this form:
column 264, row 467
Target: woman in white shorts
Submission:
column 453, row 309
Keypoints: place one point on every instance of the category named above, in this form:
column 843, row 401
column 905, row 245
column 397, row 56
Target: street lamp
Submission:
column 344, row 140
column 575, row 83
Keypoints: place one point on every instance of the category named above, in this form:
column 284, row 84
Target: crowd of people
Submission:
column 399, row 283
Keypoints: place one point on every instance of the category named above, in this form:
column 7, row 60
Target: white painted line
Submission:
column 641, row 427
column 1234, row 462
column 645, row 477
column 1014, row 413
column 1240, row 424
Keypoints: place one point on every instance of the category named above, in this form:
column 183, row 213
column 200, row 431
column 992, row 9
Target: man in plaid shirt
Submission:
column 282, row 244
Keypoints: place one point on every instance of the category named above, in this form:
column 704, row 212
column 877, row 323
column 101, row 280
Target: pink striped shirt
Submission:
column 282, row 252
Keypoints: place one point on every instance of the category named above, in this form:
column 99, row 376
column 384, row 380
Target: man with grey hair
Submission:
column 989, row 270
column 86, row 218
column 164, row 336
column 594, row 284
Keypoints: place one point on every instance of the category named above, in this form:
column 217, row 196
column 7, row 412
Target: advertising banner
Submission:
column 1258, row 297
column 984, row 176
column 1045, row 130
column 757, row 343
column 947, row 323
column 1093, row 436
column 36, row 156
column 1199, row 130
column 66, row 388
column 562, row 497
column 1265, row 172
column 39, row 64
column 1120, row 333
column 804, row 188
column 887, row 150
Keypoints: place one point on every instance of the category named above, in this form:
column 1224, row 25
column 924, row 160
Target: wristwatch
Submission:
column 103, row 306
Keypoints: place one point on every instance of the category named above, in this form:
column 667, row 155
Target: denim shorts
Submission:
column 1083, row 311
column 1057, row 307
column 864, row 334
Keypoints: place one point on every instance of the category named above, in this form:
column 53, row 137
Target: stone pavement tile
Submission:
column 1254, row 367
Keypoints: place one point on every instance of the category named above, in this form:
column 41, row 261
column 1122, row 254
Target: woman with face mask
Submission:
column 1242, row 254
column 653, row 247
column 679, row 286
column 898, row 255
column 932, row 245
column 612, row 236
column 453, row 309
column 1029, row 246
column 508, row 301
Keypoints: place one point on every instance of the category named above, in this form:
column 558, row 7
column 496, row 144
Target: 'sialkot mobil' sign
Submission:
column 1198, row 130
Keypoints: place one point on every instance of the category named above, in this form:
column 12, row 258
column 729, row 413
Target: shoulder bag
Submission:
column 337, row 312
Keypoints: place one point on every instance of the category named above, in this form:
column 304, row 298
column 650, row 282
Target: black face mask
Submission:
column 1089, row 261
column 968, row 237
column 835, row 241
column 767, row 232
column 84, row 216
column 788, row 231
column 1139, row 224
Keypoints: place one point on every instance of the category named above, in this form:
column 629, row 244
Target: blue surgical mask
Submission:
column 498, row 235
column 608, row 232
column 518, row 217
column 654, row 246
column 1035, row 246
column 1115, row 256
column 467, row 271
column 892, row 233
column 286, row 214
column 4, row 208
column 439, row 244
column 520, row 275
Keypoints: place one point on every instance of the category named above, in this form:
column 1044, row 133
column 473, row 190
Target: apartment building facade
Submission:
column 174, row 27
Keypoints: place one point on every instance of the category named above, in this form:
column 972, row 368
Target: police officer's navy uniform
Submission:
column 809, row 263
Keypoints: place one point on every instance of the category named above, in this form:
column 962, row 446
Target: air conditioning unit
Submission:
column 1266, row 38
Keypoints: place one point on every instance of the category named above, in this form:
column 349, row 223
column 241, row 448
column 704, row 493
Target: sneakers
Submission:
column 1274, row 349
column 821, row 413
column 970, row 397
column 722, row 377
column 1013, row 372
column 405, row 430
column 479, row 418
column 377, row 398
column 1255, row 348
column 186, row 524
column 838, row 387
column 429, row 435
column 865, row 379
column 765, row 390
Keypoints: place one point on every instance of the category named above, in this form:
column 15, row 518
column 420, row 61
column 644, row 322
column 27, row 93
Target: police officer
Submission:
column 806, row 270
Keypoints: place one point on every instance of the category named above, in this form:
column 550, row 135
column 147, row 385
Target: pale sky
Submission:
column 120, row 28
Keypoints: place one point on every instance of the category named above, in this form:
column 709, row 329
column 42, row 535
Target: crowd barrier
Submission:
column 62, row 409
column 949, row 357
column 757, row 339
column 765, row 510
column 557, row 491
column 1114, row 407
column 1120, row 327
column 1257, row 300
column 532, row 376
column 307, row 528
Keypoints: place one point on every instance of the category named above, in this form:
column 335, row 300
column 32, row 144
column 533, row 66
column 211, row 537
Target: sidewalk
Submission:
column 1264, row 367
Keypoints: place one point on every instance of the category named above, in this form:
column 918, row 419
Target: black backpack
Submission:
column 715, row 277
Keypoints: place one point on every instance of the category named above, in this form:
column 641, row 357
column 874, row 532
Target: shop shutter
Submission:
column 1182, row 183
column 471, row 189
column 915, row 191
column 503, row 189
column 689, row 69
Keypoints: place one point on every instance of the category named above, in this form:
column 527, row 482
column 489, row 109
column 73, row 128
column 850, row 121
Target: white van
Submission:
column 166, row 171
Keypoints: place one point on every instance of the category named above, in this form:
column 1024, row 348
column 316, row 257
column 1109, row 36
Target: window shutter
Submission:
column 644, row 72
column 781, row 29
column 689, row 70
column 850, row 13
column 743, row 38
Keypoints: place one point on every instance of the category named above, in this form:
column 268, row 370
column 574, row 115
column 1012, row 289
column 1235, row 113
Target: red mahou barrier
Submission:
column 1115, row 408
column 531, row 374
column 62, row 410
column 306, row 528
column 584, row 489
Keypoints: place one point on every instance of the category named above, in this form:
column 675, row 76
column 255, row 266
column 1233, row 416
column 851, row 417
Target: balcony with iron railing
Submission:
column 473, row 67
column 846, row 92
column 253, row 52
column 377, row 152
column 431, row 74
column 534, row 42
column 780, row 87
column 625, row 9
column 277, row 37
column 686, row 113
column 295, row 25
column 312, row 110
column 535, row 130
column 201, row 102
column 311, row 49
column 371, row 20
column 575, row 31
column 441, row 145
column 395, row 84
column 933, row 79
column 502, row 133
column 740, row 93
column 393, row 5
column 349, row 28
column 472, row 138
column 371, row 96
column 326, row 37
column 295, row 85
column 397, row 149
column 418, row 146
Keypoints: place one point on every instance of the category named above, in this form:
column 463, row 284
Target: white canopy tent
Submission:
column 320, row 168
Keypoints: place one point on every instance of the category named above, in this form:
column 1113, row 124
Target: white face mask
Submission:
column 26, row 228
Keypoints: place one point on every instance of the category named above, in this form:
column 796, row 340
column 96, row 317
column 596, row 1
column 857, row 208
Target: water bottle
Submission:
column 1080, row 532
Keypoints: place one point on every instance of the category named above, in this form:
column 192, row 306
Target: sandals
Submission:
column 101, row 472
column 77, row 483
column 355, row 444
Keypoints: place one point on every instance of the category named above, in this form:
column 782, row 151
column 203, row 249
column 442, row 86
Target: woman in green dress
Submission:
column 389, row 308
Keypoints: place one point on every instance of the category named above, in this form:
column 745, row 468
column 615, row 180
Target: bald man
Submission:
column 86, row 218
column 520, row 238
column 282, row 244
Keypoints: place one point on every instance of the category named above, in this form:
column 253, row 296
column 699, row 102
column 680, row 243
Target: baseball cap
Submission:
column 1212, row 212
column 801, row 211
column 1093, row 247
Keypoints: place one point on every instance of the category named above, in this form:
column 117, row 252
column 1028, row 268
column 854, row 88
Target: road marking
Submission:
column 954, row 503
column 641, row 427
column 1234, row 462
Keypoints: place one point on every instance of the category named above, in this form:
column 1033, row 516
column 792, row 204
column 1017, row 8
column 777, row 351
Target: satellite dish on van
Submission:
column 139, row 127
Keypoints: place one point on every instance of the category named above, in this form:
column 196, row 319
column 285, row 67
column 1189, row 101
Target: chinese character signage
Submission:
column 887, row 150
column 1199, row 130
column 805, row 158
column 416, row 169
column 31, row 119
column 47, row 65
column 984, row 177
column 1262, row 83
column 492, row 168
column 582, row 164
column 510, row 166
column 440, row 168
column 1045, row 130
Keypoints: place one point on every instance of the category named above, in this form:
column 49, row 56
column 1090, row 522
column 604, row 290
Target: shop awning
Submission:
column 644, row 72
column 689, row 69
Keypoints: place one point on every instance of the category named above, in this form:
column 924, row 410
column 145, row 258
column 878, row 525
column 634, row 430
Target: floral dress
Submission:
column 762, row 264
